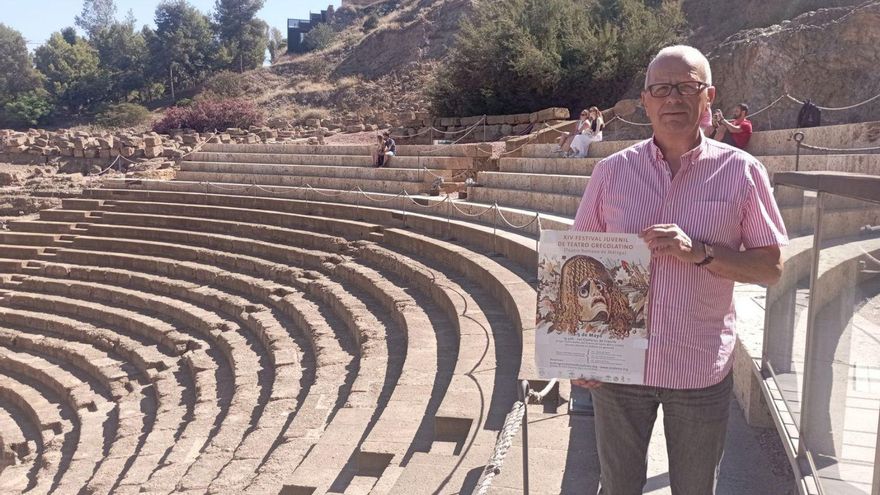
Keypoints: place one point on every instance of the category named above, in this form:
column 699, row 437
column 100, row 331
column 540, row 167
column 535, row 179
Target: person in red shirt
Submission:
column 737, row 132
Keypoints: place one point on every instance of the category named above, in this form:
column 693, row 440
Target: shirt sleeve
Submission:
column 762, row 223
column 589, row 217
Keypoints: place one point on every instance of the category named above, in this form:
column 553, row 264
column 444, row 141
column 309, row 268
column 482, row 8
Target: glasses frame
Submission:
column 677, row 87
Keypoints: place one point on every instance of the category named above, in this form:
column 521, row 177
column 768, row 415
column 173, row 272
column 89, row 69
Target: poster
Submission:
column 592, row 306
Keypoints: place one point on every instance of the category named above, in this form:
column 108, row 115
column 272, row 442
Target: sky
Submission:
column 37, row 19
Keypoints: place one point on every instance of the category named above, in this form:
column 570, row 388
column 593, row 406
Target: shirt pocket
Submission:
column 715, row 222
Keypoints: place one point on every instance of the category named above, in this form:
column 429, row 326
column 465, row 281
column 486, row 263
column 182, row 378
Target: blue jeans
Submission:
column 695, row 422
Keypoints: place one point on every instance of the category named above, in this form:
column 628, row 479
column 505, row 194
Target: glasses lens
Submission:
column 690, row 88
column 660, row 90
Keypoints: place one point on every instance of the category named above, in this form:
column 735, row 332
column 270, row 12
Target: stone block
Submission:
column 190, row 138
column 152, row 141
column 127, row 151
column 521, row 118
column 312, row 122
column 105, row 143
column 469, row 121
column 449, row 122
column 506, row 129
column 497, row 119
column 355, row 128
column 521, row 128
column 104, row 153
column 153, row 151
column 553, row 113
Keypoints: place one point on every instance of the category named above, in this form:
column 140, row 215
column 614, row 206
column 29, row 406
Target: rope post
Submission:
column 524, row 397
column 431, row 135
column 484, row 128
column 448, row 217
column 798, row 139
column 494, row 227
column 357, row 204
column 538, row 230
column 405, row 205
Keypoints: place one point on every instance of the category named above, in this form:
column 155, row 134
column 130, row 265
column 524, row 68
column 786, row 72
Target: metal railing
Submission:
column 808, row 388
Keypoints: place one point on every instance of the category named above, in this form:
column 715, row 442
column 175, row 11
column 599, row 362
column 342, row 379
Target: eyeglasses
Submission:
column 686, row 88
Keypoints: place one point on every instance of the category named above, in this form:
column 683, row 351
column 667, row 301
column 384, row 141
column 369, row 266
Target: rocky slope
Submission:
column 829, row 55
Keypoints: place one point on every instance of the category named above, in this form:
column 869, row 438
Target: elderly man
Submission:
column 706, row 211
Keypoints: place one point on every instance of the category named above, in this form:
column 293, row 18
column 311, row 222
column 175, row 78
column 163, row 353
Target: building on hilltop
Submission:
column 297, row 29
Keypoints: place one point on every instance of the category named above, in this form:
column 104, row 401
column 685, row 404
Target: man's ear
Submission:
column 710, row 94
column 642, row 98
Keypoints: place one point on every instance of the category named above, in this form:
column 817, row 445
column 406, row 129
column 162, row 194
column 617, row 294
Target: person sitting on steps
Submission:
column 580, row 145
column 389, row 149
column 564, row 141
column 378, row 151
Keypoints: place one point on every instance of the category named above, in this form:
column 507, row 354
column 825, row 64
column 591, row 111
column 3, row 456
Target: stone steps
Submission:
column 353, row 173
column 19, row 452
column 46, row 417
column 856, row 163
column 144, row 422
column 476, row 226
column 89, row 411
column 565, row 205
column 245, row 183
column 446, row 150
column 547, row 165
column 550, row 184
column 333, row 164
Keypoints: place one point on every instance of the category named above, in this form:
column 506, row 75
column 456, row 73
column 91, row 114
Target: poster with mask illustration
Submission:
column 592, row 319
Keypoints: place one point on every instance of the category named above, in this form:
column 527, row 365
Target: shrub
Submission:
column 320, row 37
column 184, row 102
column 122, row 115
column 29, row 108
column 226, row 84
column 371, row 23
column 208, row 115
column 314, row 113
column 515, row 57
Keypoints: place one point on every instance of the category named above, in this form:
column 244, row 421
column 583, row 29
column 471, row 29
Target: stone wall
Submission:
column 426, row 129
column 41, row 144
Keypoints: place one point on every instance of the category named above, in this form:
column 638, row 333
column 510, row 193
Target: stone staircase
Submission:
column 158, row 342
column 536, row 178
column 247, row 328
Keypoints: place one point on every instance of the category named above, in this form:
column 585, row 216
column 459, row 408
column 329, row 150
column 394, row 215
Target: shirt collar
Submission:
column 687, row 158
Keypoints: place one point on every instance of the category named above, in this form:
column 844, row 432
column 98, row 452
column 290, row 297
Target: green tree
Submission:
column 30, row 108
column 318, row 38
column 277, row 44
column 182, row 48
column 74, row 78
column 239, row 30
column 521, row 55
column 18, row 74
column 96, row 15
column 123, row 54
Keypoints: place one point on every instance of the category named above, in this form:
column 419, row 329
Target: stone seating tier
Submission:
column 90, row 232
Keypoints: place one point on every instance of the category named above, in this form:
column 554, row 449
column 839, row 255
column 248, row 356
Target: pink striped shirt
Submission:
column 721, row 195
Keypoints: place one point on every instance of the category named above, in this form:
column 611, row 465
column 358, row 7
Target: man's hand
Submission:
column 670, row 240
column 590, row 384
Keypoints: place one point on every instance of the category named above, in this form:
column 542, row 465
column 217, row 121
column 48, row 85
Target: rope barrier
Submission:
column 823, row 148
column 509, row 224
column 835, row 109
column 502, row 446
column 328, row 195
column 471, row 215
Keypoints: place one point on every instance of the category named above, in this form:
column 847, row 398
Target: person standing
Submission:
column 736, row 133
column 706, row 212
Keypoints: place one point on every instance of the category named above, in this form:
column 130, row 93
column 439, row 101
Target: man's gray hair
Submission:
column 688, row 53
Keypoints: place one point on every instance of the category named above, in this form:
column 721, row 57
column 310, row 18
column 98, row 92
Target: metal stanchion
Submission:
column 798, row 139
column 524, row 397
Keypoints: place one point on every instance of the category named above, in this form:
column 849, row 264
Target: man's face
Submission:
column 737, row 113
column 675, row 114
